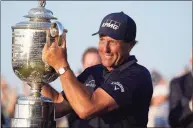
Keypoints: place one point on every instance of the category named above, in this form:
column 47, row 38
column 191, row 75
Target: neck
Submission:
column 125, row 57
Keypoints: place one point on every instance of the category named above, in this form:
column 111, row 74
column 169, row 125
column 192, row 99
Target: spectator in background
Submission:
column 159, row 109
column 157, row 78
column 90, row 57
column 158, row 112
column 25, row 90
column 180, row 99
column 8, row 101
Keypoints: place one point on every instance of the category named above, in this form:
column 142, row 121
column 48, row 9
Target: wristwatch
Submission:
column 62, row 70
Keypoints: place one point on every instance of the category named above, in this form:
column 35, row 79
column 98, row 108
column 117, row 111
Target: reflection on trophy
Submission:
column 28, row 40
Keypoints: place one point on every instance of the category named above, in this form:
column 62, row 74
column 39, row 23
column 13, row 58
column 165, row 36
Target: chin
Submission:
column 107, row 64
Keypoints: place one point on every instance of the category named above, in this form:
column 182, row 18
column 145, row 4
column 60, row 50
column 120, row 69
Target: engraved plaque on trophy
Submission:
column 28, row 40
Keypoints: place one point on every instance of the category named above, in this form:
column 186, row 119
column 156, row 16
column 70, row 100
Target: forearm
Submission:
column 61, row 109
column 77, row 94
column 11, row 107
column 51, row 93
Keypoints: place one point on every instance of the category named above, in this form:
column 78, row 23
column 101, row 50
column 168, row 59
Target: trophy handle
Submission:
column 57, row 29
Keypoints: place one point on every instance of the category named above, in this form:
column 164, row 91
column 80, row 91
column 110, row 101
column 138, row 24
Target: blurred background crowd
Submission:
column 165, row 40
column 165, row 104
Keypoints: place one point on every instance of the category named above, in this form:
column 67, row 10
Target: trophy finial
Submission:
column 41, row 3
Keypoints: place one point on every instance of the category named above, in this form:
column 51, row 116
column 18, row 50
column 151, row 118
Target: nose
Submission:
column 107, row 47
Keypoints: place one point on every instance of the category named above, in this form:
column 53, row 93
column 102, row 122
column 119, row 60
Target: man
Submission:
column 118, row 91
column 181, row 98
column 90, row 57
column 157, row 78
column 7, row 101
column 159, row 108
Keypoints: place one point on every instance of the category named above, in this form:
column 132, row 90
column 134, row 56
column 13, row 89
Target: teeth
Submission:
column 107, row 56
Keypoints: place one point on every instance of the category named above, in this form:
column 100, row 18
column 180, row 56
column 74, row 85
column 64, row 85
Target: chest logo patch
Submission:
column 91, row 83
column 118, row 86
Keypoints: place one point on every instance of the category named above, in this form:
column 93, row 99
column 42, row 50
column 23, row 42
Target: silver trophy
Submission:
column 28, row 40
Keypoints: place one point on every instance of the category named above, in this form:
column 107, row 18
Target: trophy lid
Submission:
column 39, row 17
column 40, row 12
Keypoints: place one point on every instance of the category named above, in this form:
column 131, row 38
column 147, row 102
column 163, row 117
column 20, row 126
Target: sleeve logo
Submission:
column 91, row 83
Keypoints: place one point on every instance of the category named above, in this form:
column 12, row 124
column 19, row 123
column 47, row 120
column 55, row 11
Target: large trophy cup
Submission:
column 28, row 39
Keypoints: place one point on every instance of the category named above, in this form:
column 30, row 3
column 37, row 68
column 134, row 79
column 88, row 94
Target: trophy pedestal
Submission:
column 34, row 111
column 28, row 40
column 32, row 123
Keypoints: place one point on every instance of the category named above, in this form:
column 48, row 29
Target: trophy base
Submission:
column 38, row 123
column 33, row 111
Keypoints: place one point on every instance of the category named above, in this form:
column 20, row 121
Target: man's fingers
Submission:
column 55, row 43
column 64, row 40
column 45, row 48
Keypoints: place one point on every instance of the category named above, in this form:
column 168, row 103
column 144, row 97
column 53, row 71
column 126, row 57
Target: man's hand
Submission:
column 54, row 55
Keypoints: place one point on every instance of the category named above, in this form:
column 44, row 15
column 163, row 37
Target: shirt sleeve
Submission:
column 121, row 87
column 83, row 76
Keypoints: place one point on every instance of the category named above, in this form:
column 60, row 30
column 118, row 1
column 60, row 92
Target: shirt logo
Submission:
column 118, row 86
column 91, row 83
column 111, row 24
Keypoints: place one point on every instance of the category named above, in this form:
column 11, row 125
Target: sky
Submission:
column 164, row 31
